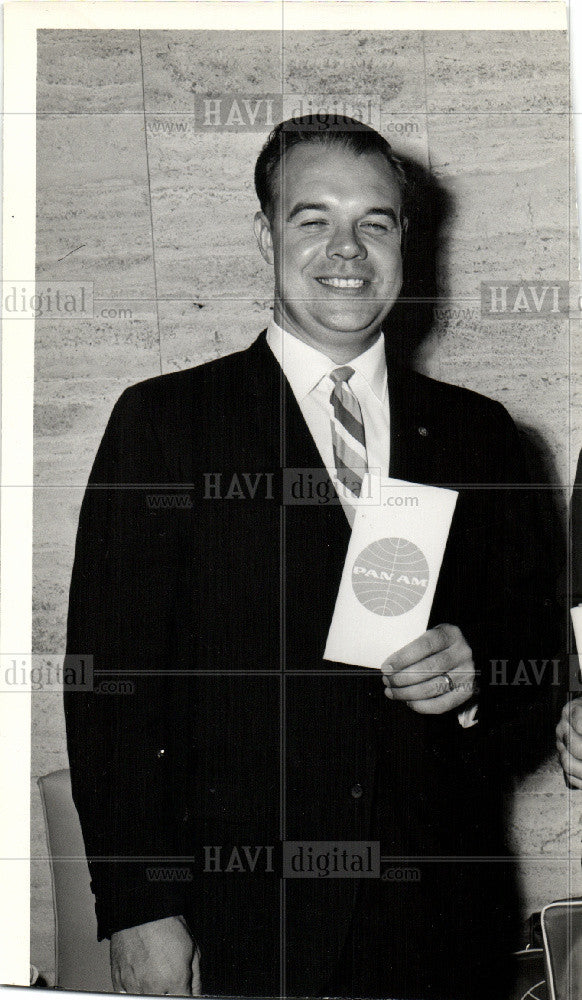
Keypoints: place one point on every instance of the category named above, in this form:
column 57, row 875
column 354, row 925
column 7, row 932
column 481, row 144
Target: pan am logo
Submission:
column 390, row 576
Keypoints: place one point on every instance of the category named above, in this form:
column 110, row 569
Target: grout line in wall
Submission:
column 150, row 203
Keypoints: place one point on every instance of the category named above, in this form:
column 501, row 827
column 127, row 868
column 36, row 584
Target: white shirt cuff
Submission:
column 468, row 717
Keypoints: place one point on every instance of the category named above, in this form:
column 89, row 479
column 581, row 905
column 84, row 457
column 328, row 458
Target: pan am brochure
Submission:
column 391, row 570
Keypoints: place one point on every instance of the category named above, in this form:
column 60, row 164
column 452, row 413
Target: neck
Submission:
column 340, row 352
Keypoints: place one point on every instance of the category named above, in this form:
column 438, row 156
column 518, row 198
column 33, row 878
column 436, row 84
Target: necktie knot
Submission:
column 341, row 374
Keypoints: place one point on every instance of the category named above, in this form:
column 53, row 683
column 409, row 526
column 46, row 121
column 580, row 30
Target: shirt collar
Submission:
column 304, row 366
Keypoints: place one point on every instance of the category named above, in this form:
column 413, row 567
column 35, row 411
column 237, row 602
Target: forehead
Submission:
column 333, row 173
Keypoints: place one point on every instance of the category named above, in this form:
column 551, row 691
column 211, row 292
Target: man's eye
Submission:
column 313, row 222
column 378, row 226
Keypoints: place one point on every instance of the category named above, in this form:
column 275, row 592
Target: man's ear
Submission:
column 262, row 228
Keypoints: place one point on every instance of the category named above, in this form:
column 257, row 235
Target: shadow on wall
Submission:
column 428, row 206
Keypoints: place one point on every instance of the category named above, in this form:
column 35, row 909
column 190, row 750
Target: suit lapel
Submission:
column 287, row 436
column 316, row 534
column 290, row 442
column 413, row 454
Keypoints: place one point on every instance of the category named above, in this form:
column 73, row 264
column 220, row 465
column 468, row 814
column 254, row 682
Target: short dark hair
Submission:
column 327, row 130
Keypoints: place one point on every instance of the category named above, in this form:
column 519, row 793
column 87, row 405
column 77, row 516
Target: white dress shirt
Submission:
column 308, row 372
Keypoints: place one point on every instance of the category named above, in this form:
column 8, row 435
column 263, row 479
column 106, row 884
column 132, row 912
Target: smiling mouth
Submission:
column 342, row 282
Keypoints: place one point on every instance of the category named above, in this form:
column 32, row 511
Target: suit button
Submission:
column 160, row 753
column 357, row 791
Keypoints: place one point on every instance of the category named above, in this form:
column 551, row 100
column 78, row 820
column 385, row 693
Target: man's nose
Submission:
column 344, row 243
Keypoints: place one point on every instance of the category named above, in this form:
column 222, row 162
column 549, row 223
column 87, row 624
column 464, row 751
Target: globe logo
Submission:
column 390, row 576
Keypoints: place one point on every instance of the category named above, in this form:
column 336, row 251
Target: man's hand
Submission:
column 434, row 674
column 159, row 957
column 569, row 742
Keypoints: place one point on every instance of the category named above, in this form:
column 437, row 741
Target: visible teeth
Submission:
column 343, row 282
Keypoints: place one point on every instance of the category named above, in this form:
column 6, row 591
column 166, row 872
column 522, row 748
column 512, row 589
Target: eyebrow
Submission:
column 388, row 212
column 304, row 206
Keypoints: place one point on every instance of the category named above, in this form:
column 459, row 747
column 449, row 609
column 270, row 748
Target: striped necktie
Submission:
column 348, row 436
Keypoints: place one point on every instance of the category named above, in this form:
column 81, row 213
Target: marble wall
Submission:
column 135, row 199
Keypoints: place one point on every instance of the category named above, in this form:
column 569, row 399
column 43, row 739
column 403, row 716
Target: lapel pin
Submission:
column 423, row 432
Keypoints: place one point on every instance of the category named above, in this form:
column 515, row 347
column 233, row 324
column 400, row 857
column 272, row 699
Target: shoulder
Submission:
column 181, row 384
column 455, row 403
column 178, row 395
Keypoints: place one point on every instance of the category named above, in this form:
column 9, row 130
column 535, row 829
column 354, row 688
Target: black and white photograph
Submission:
column 303, row 492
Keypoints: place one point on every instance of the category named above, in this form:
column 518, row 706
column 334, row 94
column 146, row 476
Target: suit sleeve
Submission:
column 126, row 771
column 517, row 631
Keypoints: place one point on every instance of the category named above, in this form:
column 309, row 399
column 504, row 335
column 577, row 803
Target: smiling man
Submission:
column 334, row 236
column 238, row 735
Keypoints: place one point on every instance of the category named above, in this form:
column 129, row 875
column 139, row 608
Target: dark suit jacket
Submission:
column 238, row 733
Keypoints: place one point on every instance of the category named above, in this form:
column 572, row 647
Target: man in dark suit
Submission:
column 195, row 572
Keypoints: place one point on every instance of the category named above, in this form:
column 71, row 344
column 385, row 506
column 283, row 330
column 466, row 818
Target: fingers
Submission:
column 157, row 985
column 573, row 742
column 416, row 698
column 462, row 678
column 196, row 987
column 153, row 982
column 569, row 742
column 154, row 958
column 434, row 641
column 419, row 672
column 122, row 975
column 124, row 980
column 574, row 715
column 116, row 979
column 440, row 705
column 572, row 768
column 431, row 667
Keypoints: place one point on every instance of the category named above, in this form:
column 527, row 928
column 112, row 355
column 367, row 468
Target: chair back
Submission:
column 562, row 931
column 81, row 961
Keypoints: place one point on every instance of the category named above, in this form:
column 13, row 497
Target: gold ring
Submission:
column 449, row 681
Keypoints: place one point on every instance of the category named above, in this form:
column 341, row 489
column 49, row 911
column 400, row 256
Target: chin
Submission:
column 355, row 323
